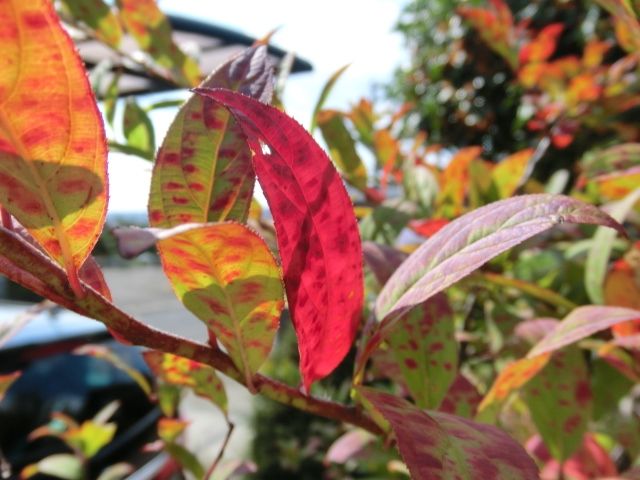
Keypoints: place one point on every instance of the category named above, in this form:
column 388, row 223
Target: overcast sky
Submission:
column 328, row 34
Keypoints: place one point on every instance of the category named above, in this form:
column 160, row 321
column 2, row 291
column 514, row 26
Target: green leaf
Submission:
column 151, row 29
column 559, row 399
column 598, row 256
column 138, row 129
column 187, row 459
column 63, row 465
column 342, row 148
column 99, row 17
column 326, row 90
column 90, row 437
column 426, row 351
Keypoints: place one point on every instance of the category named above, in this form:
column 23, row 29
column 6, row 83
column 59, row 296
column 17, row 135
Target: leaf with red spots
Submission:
column 425, row 349
column 462, row 398
column 203, row 170
column 468, row 242
column 99, row 17
column 316, row 231
column 180, row 371
column 151, row 29
column 559, row 399
column 225, row 275
column 437, row 445
column 581, row 323
column 6, row 380
column 52, row 144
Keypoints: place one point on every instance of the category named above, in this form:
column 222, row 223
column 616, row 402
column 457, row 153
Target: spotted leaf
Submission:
column 316, row 230
column 225, row 275
column 98, row 16
column 52, row 144
column 425, row 349
column 184, row 372
column 437, row 445
column 203, row 170
column 559, row 399
column 151, row 29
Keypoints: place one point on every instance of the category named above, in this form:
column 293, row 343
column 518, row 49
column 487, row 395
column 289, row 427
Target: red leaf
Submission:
column 437, row 445
column 427, row 227
column 317, row 232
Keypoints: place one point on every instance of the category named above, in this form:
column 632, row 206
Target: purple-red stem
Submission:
column 26, row 265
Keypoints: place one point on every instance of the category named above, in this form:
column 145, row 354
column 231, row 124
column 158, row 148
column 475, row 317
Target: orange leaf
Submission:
column 52, row 145
column 542, row 46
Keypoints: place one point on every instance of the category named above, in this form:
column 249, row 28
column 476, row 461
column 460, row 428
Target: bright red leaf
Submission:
column 316, row 229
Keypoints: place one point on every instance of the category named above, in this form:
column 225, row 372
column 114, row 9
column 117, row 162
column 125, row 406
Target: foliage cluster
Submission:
column 492, row 348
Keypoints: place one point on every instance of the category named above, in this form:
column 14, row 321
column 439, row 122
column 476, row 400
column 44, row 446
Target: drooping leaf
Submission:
column 316, row 231
column 225, row 275
column 348, row 446
column 52, row 144
column 342, row 148
column 425, row 349
column 184, row 372
column 437, row 445
column 132, row 241
column 186, row 458
column 598, row 256
column 326, row 90
column 473, row 239
column 151, row 29
column 99, row 17
column 138, row 129
column 61, row 465
column 559, row 399
column 203, row 170
column 6, row 381
column 581, row 323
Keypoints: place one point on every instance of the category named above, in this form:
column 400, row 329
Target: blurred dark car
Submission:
column 56, row 380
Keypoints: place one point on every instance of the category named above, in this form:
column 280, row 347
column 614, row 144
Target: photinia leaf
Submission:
column 226, row 276
column 6, row 381
column 90, row 437
column 427, row 227
column 99, row 17
column 619, row 157
column 581, row 323
column 326, row 90
column 342, row 148
column 52, row 144
column 437, row 445
column 425, row 349
column 622, row 289
column 462, row 398
column 203, row 170
column 598, row 256
column 169, row 429
column 138, row 129
column 348, row 446
column 559, row 399
column 316, row 231
column 473, row 239
column 60, row 465
column 201, row 378
column 152, row 31
column 186, row 459
column 619, row 184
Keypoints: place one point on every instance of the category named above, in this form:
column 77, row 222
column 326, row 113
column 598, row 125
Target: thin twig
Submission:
column 225, row 442
column 23, row 318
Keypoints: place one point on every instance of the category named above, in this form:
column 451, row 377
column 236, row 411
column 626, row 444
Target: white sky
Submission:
column 329, row 34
